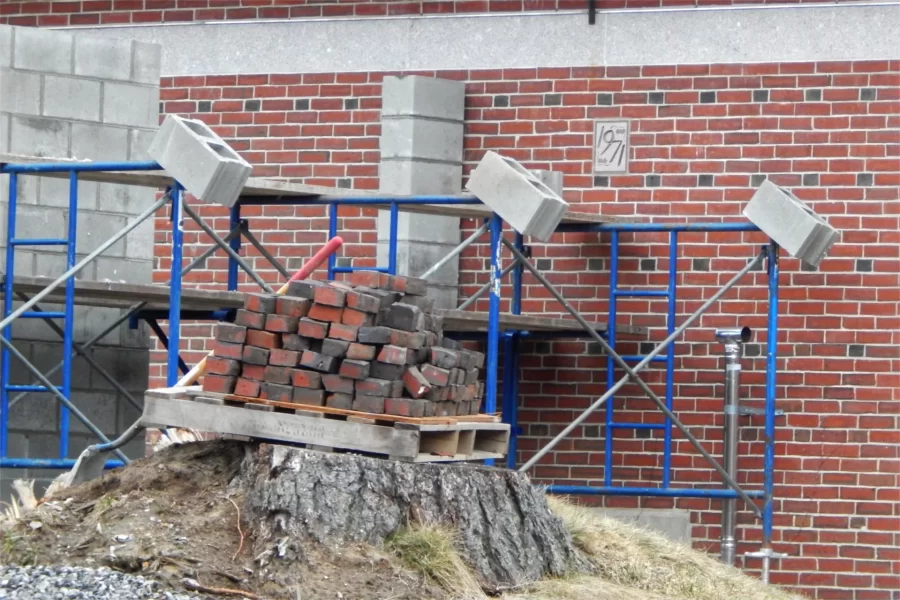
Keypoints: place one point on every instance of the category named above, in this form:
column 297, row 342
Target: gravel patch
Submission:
column 78, row 583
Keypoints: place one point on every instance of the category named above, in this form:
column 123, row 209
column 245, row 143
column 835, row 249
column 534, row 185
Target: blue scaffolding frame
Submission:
column 510, row 339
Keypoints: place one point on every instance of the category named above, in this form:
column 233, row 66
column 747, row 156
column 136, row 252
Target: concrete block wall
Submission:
column 74, row 95
column 421, row 153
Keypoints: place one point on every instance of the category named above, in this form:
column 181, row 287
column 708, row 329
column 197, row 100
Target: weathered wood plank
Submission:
column 159, row 412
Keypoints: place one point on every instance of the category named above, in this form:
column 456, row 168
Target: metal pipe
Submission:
column 232, row 255
column 80, row 167
column 771, row 391
column 670, row 357
column 655, row 227
column 56, row 392
column 332, row 232
column 392, row 240
column 68, row 323
column 81, row 265
column 134, row 308
column 610, row 365
column 262, row 250
column 733, row 340
column 5, row 329
column 587, row 490
column 173, row 356
column 234, row 222
column 87, row 357
column 512, row 348
column 456, row 251
column 471, row 299
column 493, row 337
column 632, row 373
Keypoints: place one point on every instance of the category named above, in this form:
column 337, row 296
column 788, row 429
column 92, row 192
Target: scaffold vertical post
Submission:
column 175, row 285
column 7, row 308
column 771, row 370
column 235, row 244
column 610, row 363
column 493, row 337
column 670, row 357
column 68, row 323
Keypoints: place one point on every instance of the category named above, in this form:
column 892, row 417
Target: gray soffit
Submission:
column 851, row 31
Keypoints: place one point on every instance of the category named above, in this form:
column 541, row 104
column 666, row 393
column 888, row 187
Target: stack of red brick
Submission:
column 373, row 345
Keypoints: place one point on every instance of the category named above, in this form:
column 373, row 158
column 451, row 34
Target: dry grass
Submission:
column 647, row 562
column 429, row 549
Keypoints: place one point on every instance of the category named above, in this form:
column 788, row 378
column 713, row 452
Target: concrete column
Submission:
column 421, row 153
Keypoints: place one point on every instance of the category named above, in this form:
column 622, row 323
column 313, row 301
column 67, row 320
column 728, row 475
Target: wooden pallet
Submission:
column 429, row 439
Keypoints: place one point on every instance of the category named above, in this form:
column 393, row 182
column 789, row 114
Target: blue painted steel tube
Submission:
column 392, row 240
column 352, row 269
column 147, row 165
column 640, row 357
column 332, row 232
column 655, row 227
column 659, row 492
column 40, row 242
column 641, row 293
column 670, row 357
column 49, row 463
column 26, row 388
column 493, row 338
column 164, row 340
column 69, row 323
column 7, row 309
column 610, row 363
column 771, row 371
column 637, row 426
column 292, row 199
column 235, row 244
column 507, row 398
column 511, row 363
column 50, row 314
column 175, row 285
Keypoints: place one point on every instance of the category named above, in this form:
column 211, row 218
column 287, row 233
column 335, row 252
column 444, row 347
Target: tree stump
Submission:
column 506, row 532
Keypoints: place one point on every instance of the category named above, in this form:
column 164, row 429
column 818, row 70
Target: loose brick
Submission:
column 254, row 372
column 405, row 317
column 280, row 375
column 226, row 350
column 465, row 360
column 357, row 318
column 255, row 356
column 360, row 301
column 231, row 333
column 323, row 312
column 218, row 384
column 277, row 392
column 335, row 348
column 354, row 369
column 281, row 324
column 457, row 376
column 343, row 332
column 330, row 295
column 247, row 387
column 368, row 404
column 479, row 393
column 436, row 375
column 399, row 338
column 471, row 376
column 437, row 394
column 413, row 286
column 462, row 408
column 419, row 356
column 452, row 392
column 478, row 357
column 341, row 401
column 361, row 352
column 227, row 367
column 318, row 362
column 374, row 335
column 437, row 324
column 416, row 340
column 431, row 339
column 304, row 289
column 371, row 279
column 445, row 409
column 443, row 357
column 338, row 384
column 415, row 383
column 385, row 298
column 469, row 392
column 312, row 329
column 382, row 317
column 380, row 370
column 373, row 387
column 292, row 307
column 423, row 303
column 283, row 358
column 475, row 406
column 263, row 339
column 249, row 319
column 396, row 389
column 404, row 407
column 307, row 396
column 394, row 355
column 430, row 408
column 295, row 342
column 260, row 303
column 451, row 344
column 306, row 379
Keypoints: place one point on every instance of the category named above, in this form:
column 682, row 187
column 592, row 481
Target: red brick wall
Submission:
column 702, row 135
column 92, row 12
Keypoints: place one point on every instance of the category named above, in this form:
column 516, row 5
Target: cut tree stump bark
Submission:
column 505, row 531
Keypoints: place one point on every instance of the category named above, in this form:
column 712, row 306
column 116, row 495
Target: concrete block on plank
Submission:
column 95, row 228
column 102, row 57
column 552, row 179
column 43, row 50
column 132, row 105
column 71, row 98
column 515, row 194
column 791, row 223
column 147, row 63
column 99, row 142
column 21, row 92
column 410, row 177
column 123, row 199
column 409, row 137
column 200, row 160
column 39, row 136
column 423, row 96
column 6, row 43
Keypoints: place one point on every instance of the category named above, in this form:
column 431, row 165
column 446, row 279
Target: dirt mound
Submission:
column 175, row 517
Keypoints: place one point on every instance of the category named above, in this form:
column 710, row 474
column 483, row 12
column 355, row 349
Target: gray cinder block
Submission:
column 20, row 92
column 409, row 137
column 128, row 104
column 147, row 63
column 102, row 57
column 423, row 96
column 6, row 41
column 37, row 136
column 791, row 223
column 71, row 98
column 43, row 50
column 520, row 198
column 200, row 160
column 552, row 179
column 99, row 142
